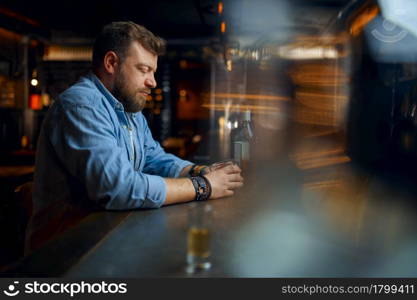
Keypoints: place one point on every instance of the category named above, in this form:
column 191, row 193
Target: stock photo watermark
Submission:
column 72, row 289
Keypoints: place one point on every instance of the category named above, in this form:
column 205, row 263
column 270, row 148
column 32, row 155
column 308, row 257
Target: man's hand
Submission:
column 224, row 179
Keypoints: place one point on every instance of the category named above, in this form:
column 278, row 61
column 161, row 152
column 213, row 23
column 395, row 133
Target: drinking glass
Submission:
column 198, row 237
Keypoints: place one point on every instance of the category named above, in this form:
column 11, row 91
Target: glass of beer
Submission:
column 198, row 237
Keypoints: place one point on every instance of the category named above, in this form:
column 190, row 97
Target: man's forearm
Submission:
column 222, row 181
column 179, row 190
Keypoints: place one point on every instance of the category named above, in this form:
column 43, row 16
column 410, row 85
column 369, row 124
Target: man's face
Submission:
column 135, row 78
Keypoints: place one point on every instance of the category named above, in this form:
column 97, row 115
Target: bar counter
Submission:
column 336, row 221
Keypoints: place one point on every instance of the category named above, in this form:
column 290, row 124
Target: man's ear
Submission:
column 111, row 62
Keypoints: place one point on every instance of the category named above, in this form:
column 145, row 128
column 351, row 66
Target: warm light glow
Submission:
column 223, row 27
column 46, row 99
column 363, row 19
column 183, row 93
column 319, row 100
column 314, row 160
column 35, row 101
column 9, row 35
column 68, row 53
column 221, row 126
column 321, row 95
column 262, row 109
column 24, row 141
column 319, row 75
column 197, row 138
column 305, row 52
column 229, row 65
column 158, row 98
column 22, row 18
column 317, row 154
column 220, row 8
column 34, row 82
column 250, row 97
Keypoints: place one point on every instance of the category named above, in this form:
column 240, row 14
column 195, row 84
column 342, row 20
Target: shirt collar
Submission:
column 109, row 96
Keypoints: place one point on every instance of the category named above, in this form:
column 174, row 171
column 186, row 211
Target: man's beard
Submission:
column 132, row 101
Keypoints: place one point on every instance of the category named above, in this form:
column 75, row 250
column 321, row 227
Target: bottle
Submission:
column 242, row 140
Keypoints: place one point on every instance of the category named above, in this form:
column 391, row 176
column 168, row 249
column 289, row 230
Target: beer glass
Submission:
column 198, row 237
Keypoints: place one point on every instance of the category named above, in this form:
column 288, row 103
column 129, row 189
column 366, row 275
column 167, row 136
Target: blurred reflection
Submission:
column 347, row 122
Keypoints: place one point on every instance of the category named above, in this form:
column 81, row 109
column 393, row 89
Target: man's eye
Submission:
column 143, row 70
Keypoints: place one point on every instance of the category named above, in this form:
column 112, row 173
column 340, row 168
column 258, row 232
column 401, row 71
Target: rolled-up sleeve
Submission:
column 85, row 142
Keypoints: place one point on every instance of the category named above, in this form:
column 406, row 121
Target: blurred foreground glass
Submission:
column 198, row 237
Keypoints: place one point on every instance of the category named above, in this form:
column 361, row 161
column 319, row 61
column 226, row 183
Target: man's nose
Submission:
column 150, row 82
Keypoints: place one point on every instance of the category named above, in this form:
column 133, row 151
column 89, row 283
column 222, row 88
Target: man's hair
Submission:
column 118, row 36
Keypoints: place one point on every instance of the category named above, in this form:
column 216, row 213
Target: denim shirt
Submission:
column 91, row 153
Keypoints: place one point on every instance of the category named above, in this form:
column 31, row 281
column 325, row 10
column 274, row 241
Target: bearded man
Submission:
column 96, row 151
